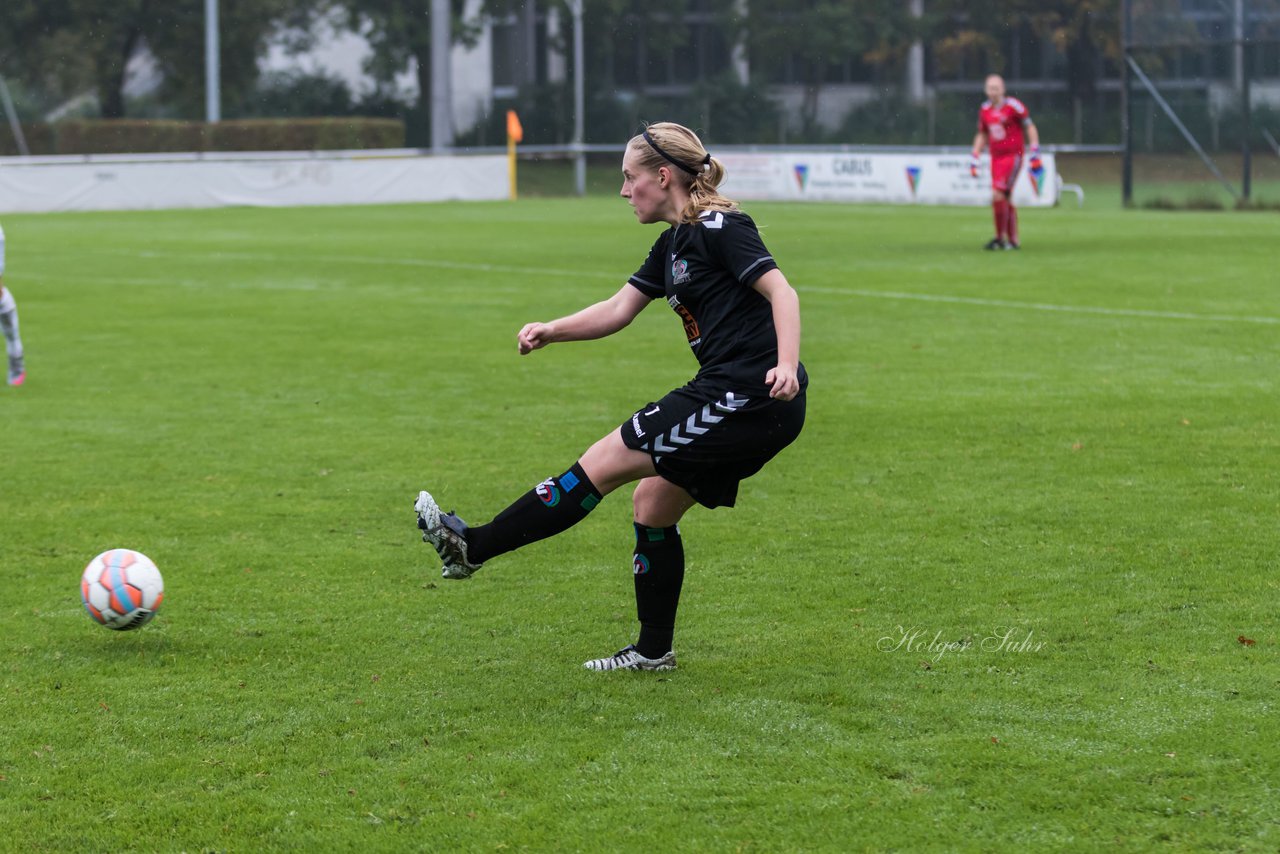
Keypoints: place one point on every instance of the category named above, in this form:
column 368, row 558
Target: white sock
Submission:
column 9, row 326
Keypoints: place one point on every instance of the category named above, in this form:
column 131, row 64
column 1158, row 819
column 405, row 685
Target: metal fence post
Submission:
column 1126, row 104
column 212, row 64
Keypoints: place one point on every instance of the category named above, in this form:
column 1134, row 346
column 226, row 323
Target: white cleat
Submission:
column 629, row 659
column 448, row 534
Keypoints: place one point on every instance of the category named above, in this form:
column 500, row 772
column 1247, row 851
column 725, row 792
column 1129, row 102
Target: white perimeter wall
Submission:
column 274, row 180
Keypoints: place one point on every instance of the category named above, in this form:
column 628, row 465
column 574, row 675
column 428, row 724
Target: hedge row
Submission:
column 39, row 139
column 135, row 136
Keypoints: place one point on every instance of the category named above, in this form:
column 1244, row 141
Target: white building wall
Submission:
column 342, row 53
column 835, row 101
column 472, row 75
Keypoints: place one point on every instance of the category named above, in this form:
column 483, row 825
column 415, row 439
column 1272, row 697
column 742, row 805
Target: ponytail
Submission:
column 704, row 193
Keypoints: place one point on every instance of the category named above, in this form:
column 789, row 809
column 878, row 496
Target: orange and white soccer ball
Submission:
column 121, row 589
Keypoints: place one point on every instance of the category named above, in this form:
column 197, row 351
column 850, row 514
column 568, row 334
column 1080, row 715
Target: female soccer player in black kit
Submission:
column 747, row 402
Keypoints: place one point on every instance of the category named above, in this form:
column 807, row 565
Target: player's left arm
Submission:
column 784, row 379
column 1033, row 135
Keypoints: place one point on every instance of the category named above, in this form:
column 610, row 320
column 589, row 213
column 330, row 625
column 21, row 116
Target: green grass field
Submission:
column 1073, row 448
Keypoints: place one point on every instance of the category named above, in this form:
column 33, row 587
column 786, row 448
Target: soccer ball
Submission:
column 121, row 589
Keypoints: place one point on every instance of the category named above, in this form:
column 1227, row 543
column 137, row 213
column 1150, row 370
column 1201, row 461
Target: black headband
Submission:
column 706, row 161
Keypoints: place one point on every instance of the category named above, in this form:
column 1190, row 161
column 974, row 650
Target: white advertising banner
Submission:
column 74, row 184
column 890, row 178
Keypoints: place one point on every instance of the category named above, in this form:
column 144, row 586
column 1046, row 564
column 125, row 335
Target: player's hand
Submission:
column 975, row 164
column 1036, row 164
column 534, row 336
column 783, row 382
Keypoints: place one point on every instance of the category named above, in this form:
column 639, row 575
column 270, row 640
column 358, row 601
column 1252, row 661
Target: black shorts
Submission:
column 707, row 441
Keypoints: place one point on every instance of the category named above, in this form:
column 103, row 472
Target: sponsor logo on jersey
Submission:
column 547, row 492
column 691, row 330
column 913, row 178
column 680, row 272
column 635, row 425
column 802, row 176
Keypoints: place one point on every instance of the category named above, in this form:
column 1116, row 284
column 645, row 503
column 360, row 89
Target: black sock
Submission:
column 555, row 505
column 659, row 574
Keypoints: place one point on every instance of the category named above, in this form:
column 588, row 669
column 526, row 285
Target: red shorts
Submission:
column 1004, row 171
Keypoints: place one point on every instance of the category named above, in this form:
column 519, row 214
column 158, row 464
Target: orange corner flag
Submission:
column 514, row 131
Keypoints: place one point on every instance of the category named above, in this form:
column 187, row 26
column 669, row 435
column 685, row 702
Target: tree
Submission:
column 963, row 33
column 38, row 50
column 174, row 31
column 110, row 34
column 814, row 35
column 399, row 32
column 93, row 42
column 1082, row 30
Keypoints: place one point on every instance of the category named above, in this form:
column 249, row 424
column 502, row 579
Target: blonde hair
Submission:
column 699, row 172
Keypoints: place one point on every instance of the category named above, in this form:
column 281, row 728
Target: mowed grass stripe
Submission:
column 383, row 261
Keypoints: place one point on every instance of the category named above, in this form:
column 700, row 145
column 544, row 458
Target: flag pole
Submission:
column 513, row 193
column 515, row 133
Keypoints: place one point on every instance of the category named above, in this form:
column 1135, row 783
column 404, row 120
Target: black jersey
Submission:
column 704, row 270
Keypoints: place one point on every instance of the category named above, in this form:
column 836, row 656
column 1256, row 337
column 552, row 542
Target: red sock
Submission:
column 1013, row 223
column 998, row 209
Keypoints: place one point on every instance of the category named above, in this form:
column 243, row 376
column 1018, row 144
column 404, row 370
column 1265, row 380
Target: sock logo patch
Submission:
column 641, row 565
column 547, row 492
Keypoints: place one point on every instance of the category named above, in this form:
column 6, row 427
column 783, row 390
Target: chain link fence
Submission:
column 1201, row 103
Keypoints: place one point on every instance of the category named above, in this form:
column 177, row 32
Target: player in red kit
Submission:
column 1004, row 127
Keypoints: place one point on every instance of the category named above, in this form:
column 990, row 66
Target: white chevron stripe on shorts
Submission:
column 697, row 424
column 731, row 403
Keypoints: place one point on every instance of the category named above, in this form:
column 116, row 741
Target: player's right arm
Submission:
column 979, row 142
column 595, row 321
column 975, row 155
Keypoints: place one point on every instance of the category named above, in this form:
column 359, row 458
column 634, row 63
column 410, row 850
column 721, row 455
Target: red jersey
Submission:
column 1003, row 126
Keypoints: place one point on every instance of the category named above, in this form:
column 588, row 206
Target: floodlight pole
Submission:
column 579, row 102
column 1126, row 104
column 1246, row 108
column 212, row 68
column 1237, row 44
column 441, row 86
column 1241, row 51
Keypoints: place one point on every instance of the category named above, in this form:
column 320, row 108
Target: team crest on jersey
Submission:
column 547, row 492
column 913, row 178
column 680, row 272
column 640, row 565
